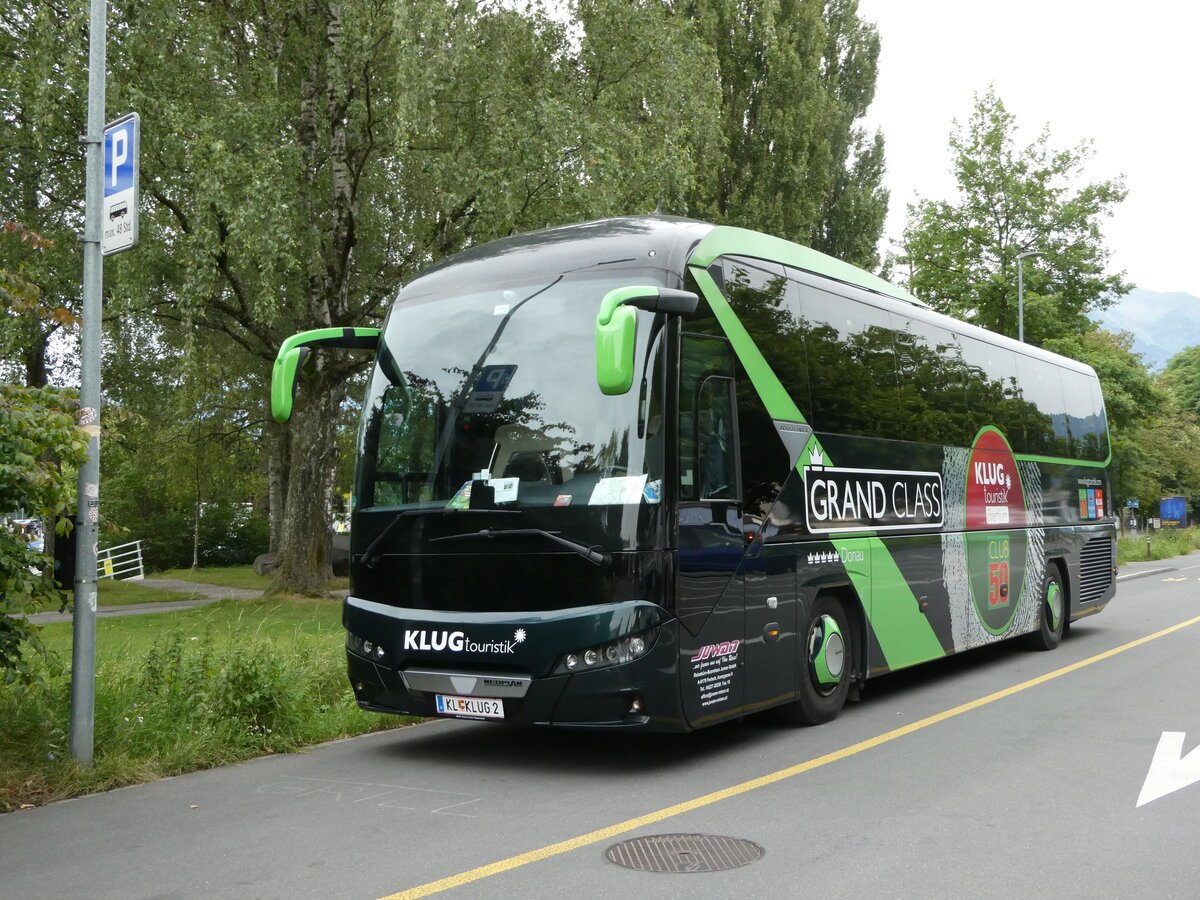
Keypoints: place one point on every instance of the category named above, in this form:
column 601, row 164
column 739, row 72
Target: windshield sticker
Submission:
column 614, row 491
column 506, row 489
column 563, row 500
column 462, row 499
column 652, row 492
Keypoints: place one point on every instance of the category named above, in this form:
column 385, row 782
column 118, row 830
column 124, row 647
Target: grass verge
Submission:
column 182, row 691
column 1163, row 544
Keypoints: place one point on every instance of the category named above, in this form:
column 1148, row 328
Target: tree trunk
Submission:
column 303, row 558
column 277, row 470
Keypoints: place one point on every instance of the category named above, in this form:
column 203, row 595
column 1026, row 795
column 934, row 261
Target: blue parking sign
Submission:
column 119, row 225
column 120, row 145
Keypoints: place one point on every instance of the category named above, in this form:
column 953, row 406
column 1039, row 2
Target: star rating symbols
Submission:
column 823, row 557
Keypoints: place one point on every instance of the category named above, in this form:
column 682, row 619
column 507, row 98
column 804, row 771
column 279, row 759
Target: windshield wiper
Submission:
column 592, row 554
column 370, row 557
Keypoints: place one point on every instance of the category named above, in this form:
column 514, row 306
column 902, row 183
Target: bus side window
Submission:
column 707, row 426
column 1085, row 416
column 1047, row 431
column 715, row 449
column 851, row 366
column 992, row 394
column 768, row 304
column 931, row 383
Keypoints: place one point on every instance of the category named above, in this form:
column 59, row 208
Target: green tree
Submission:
column 1181, row 379
column 334, row 151
column 961, row 253
column 188, row 450
column 41, row 182
column 795, row 78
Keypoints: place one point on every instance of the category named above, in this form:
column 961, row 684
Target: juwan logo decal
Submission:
column 995, row 556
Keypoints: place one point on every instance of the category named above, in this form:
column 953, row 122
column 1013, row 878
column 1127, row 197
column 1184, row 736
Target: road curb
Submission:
column 1129, row 576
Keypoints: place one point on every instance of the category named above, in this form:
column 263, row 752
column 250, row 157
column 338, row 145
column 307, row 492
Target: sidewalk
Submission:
column 1131, row 570
column 202, row 595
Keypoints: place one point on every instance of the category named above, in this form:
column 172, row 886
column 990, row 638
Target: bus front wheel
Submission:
column 1052, row 611
column 826, row 659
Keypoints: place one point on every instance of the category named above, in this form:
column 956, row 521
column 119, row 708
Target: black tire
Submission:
column 1052, row 611
column 820, row 701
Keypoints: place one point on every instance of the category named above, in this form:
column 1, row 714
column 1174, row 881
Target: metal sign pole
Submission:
column 87, row 517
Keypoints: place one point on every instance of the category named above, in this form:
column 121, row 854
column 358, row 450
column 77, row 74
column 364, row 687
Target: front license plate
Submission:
column 470, row 707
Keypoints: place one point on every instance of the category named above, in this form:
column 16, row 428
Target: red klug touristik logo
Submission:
column 996, row 539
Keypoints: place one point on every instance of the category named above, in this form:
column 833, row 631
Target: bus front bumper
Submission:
column 642, row 694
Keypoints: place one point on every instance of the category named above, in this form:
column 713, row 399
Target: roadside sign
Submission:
column 119, row 226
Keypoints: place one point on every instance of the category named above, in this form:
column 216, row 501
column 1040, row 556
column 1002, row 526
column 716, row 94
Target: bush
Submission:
column 37, row 436
column 230, row 682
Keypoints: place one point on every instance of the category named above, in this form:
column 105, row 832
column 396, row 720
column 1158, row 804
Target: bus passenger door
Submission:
column 710, row 596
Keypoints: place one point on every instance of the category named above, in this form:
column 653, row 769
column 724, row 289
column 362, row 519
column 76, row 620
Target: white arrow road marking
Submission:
column 1170, row 770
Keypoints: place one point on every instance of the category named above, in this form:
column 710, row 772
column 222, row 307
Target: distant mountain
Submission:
column 1161, row 324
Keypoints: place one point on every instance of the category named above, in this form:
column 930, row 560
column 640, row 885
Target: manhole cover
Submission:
column 684, row 853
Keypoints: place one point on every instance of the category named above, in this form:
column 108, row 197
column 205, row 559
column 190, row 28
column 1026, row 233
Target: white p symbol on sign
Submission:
column 120, row 152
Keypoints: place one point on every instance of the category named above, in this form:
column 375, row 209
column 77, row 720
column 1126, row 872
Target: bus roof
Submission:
column 663, row 242
column 666, row 242
column 723, row 241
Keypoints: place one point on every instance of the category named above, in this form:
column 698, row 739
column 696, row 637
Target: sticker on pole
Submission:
column 119, row 225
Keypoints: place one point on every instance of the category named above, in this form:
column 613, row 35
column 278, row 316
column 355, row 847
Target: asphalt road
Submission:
column 1003, row 773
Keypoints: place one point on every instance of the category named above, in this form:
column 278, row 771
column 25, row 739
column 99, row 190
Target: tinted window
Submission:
column 991, row 391
column 767, row 304
column 1085, row 416
column 851, row 366
column 932, row 390
column 1045, row 430
column 707, row 449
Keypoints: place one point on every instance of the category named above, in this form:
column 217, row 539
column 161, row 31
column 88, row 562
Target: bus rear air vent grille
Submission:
column 1095, row 569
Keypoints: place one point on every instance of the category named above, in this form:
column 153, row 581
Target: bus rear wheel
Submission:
column 825, row 663
column 1052, row 612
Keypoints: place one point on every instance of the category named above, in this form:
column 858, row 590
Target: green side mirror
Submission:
column 295, row 351
column 615, row 341
column 616, row 329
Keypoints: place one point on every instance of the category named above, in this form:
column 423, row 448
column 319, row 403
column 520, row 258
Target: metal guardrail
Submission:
column 121, row 563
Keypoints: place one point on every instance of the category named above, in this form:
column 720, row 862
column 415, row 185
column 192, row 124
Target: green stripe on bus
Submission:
column 774, row 396
column 726, row 241
column 1063, row 461
column 902, row 630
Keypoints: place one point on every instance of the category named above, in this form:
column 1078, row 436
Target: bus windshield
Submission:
column 494, row 390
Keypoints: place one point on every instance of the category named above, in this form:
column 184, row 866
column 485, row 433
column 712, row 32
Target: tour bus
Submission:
column 650, row 473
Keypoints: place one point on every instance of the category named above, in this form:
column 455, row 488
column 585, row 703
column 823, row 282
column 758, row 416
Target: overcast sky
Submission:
column 1125, row 75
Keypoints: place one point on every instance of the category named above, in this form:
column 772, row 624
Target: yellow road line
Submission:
column 592, row 837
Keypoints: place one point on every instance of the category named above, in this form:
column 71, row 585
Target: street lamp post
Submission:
column 1021, row 257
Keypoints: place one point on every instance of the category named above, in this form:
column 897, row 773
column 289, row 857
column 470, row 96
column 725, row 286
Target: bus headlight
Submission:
column 612, row 653
column 362, row 647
